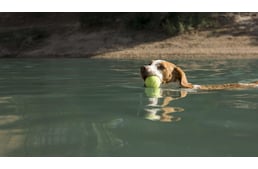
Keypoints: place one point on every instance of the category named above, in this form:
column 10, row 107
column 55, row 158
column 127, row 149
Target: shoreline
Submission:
column 201, row 45
column 109, row 44
column 238, row 41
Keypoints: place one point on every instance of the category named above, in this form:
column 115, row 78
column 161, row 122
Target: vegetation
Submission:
column 170, row 23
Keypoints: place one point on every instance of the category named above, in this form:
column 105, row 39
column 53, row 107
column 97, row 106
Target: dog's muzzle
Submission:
column 144, row 72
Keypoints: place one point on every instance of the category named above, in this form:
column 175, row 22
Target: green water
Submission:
column 89, row 107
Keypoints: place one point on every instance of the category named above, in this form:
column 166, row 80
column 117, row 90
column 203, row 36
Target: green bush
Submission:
column 177, row 23
column 171, row 23
column 169, row 27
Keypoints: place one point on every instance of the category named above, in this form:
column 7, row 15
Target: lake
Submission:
column 95, row 107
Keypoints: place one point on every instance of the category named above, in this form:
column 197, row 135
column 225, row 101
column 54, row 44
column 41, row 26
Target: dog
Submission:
column 169, row 72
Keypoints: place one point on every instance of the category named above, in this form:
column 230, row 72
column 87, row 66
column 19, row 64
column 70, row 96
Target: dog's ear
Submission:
column 181, row 77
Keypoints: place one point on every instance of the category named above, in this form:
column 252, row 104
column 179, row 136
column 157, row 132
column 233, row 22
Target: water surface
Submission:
column 90, row 107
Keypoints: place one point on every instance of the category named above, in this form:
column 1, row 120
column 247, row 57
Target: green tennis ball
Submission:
column 152, row 82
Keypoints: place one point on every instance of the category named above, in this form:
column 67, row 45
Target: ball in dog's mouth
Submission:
column 152, row 82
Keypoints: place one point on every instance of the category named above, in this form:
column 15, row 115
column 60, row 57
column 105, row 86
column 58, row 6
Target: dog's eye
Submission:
column 161, row 67
column 150, row 63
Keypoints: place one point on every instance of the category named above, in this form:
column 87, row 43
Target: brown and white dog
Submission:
column 169, row 72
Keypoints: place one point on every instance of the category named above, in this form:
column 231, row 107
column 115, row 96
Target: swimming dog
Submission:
column 169, row 72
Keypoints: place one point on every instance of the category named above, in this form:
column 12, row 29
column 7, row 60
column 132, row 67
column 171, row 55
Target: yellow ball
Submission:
column 152, row 82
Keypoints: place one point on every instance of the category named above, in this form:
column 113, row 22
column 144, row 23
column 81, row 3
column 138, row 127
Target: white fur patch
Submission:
column 153, row 69
column 196, row 86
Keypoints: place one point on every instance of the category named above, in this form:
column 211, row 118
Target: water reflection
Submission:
column 30, row 128
column 106, row 139
column 10, row 138
column 158, row 106
column 78, row 138
column 242, row 104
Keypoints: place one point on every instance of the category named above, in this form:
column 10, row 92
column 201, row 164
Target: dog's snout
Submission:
column 143, row 68
column 146, row 69
column 144, row 72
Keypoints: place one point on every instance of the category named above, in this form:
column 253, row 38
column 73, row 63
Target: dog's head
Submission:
column 166, row 71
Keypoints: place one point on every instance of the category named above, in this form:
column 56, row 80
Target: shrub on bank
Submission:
column 170, row 23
